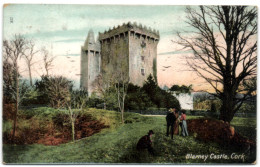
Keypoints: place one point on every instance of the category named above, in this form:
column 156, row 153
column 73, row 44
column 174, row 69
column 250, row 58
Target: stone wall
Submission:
column 114, row 56
column 131, row 48
column 83, row 69
column 90, row 62
column 93, row 69
column 142, row 58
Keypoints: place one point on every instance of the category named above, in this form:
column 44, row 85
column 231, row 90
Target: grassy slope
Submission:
column 117, row 144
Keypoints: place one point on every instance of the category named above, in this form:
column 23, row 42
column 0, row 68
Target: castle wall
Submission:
column 83, row 69
column 142, row 57
column 93, row 69
column 132, row 47
column 90, row 62
column 128, row 51
column 114, row 56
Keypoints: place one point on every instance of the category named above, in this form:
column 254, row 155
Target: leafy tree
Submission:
column 137, row 99
column 224, row 44
column 8, row 82
column 159, row 97
column 181, row 89
column 54, row 90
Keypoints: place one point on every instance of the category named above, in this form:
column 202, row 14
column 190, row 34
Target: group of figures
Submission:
column 174, row 120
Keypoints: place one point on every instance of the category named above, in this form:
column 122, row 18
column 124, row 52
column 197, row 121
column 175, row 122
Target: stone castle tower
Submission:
column 130, row 48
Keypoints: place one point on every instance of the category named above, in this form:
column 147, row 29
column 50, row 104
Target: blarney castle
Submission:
column 129, row 47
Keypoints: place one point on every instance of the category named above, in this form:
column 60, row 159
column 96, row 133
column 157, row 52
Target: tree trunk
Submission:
column 122, row 116
column 72, row 125
column 73, row 130
column 16, row 101
column 47, row 72
column 30, row 75
column 227, row 109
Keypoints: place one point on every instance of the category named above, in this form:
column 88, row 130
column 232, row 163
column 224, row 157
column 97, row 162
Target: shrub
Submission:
column 137, row 99
column 31, row 97
column 159, row 97
column 54, row 90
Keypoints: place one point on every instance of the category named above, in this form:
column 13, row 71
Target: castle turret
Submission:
column 90, row 62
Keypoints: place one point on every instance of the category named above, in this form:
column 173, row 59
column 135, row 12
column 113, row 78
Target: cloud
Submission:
column 69, row 40
column 175, row 52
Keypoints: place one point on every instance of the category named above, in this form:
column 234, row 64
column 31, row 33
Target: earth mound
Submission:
column 56, row 132
column 207, row 129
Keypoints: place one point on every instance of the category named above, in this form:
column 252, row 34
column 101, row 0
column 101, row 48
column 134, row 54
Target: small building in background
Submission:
column 185, row 99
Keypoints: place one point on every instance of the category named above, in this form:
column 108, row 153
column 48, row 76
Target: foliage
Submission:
column 8, row 82
column 248, row 108
column 137, row 98
column 13, row 49
column 7, row 126
column 213, row 111
column 213, row 108
column 181, row 89
column 206, row 104
column 110, row 99
column 159, row 97
column 250, row 85
column 95, row 101
column 54, row 90
column 31, row 97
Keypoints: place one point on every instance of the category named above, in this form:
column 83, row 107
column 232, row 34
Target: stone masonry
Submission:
column 130, row 48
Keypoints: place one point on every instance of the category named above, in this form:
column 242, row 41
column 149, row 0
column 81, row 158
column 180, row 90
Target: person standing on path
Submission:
column 176, row 124
column 170, row 119
column 184, row 129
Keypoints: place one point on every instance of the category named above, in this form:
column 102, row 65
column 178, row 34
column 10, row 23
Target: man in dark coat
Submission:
column 170, row 119
column 145, row 142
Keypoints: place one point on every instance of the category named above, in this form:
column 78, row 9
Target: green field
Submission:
column 117, row 144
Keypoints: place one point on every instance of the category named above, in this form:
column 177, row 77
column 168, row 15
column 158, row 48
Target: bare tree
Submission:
column 75, row 103
column 121, row 82
column 12, row 50
column 223, row 42
column 47, row 60
column 29, row 53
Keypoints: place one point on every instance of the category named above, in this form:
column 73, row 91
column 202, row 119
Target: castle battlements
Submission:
column 122, row 31
column 130, row 48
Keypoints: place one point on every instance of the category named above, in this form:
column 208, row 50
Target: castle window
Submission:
column 142, row 71
column 142, row 58
column 138, row 36
column 143, row 44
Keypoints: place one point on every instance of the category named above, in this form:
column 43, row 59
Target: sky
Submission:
column 62, row 29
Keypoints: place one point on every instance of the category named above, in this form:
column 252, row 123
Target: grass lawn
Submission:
column 117, row 144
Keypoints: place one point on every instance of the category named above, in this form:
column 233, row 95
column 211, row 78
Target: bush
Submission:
column 137, row 99
column 7, row 126
column 31, row 97
column 159, row 97
column 95, row 101
column 54, row 90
